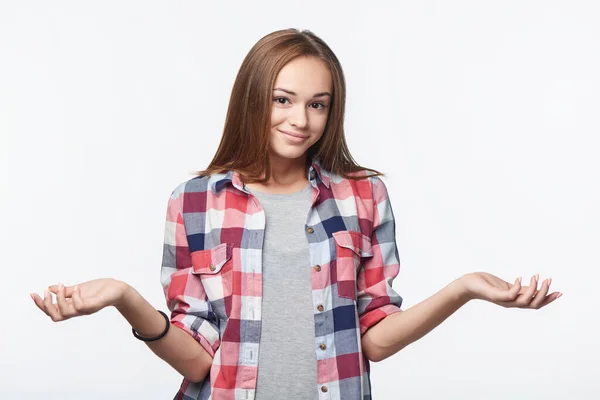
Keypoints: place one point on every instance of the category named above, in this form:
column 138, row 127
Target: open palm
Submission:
column 81, row 299
column 485, row 286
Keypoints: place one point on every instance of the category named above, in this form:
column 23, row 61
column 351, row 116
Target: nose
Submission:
column 298, row 117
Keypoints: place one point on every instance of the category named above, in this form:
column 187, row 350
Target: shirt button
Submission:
column 318, row 268
column 212, row 267
column 322, row 346
column 324, row 389
column 310, row 230
column 320, row 307
column 312, row 174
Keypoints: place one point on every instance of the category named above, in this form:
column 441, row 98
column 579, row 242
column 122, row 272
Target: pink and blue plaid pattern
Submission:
column 211, row 275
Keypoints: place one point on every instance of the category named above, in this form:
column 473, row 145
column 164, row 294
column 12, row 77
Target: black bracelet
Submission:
column 157, row 337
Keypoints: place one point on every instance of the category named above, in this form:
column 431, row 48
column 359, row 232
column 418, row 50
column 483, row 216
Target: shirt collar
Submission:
column 217, row 182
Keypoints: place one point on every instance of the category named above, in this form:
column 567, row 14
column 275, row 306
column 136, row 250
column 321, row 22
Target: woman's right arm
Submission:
column 178, row 348
column 194, row 336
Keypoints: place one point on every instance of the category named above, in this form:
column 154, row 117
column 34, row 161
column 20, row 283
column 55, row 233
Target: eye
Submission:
column 283, row 100
column 277, row 100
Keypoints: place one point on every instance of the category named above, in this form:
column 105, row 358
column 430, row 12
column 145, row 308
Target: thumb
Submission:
column 78, row 302
column 510, row 294
column 514, row 291
column 506, row 295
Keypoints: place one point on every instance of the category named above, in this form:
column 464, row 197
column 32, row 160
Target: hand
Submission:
column 82, row 299
column 484, row 286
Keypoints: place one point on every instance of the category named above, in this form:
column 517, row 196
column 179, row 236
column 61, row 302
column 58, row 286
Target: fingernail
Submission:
column 537, row 277
column 560, row 294
column 60, row 286
column 549, row 281
column 31, row 295
column 75, row 288
column 46, row 293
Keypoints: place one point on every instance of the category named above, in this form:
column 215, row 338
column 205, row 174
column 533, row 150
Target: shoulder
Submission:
column 192, row 185
column 364, row 183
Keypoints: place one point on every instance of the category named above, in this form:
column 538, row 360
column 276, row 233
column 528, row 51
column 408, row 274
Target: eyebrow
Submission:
column 320, row 94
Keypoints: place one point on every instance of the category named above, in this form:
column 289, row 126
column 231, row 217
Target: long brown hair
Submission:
column 245, row 142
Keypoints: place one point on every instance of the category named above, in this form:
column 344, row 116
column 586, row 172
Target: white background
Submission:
column 484, row 115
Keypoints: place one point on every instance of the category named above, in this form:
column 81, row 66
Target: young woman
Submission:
column 279, row 258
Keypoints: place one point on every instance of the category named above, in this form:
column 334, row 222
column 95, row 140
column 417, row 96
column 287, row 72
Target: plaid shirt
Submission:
column 211, row 275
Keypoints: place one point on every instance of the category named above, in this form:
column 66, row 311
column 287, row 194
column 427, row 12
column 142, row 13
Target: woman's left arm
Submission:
column 400, row 329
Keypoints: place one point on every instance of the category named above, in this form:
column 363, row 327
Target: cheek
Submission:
column 316, row 138
column 277, row 116
column 322, row 121
column 318, row 124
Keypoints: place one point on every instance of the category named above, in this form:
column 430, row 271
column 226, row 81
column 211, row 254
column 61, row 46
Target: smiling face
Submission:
column 301, row 101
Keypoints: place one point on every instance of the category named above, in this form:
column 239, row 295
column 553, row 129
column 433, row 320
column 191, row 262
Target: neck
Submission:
column 286, row 171
column 287, row 175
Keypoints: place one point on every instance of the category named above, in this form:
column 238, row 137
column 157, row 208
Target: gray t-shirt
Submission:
column 287, row 361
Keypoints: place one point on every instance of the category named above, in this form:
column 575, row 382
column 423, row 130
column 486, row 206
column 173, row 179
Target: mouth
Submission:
column 294, row 135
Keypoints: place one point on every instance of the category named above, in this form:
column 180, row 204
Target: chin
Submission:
column 289, row 153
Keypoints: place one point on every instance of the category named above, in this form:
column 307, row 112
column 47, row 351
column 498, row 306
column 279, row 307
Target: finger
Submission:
column 68, row 289
column 550, row 298
column 39, row 302
column 63, row 306
column 78, row 302
column 540, row 296
column 50, row 308
column 524, row 299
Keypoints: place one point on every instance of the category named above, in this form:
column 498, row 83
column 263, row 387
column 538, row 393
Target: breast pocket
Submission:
column 350, row 248
column 215, row 269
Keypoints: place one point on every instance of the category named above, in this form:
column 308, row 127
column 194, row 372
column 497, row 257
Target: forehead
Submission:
column 305, row 76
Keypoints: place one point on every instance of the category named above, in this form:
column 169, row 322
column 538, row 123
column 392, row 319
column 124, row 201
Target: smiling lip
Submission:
column 296, row 135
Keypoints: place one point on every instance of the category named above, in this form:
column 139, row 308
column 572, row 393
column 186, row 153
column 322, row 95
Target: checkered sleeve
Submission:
column 185, row 295
column 376, row 297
